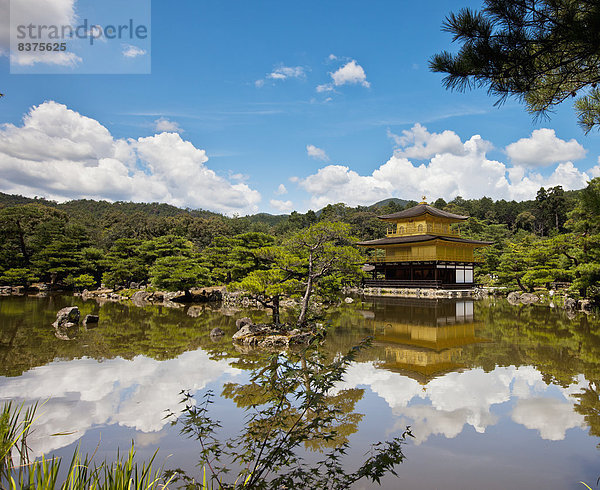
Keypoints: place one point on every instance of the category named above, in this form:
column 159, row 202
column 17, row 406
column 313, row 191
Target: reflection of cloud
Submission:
column 84, row 392
column 550, row 417
column 395, row 389
column 426, row 420
column 448, row 403
column 148, row 439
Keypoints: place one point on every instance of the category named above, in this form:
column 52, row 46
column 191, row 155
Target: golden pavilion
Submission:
column 422, row 249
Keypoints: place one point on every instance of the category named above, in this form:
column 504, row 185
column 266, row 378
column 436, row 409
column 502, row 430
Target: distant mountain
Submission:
column 87, row 207
column 270, row 219
column 395, row 200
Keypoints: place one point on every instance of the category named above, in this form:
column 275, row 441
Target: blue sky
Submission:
column 273, row 106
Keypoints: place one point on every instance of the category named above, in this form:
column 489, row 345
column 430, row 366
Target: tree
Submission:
column 584, row 222
column 178, row 273
column 17, row 276
column 532, row 263
column 317, row 260
column 233, row 258
column 290, row 403
column 324, row 251
column 540, row 51
column 124, row 263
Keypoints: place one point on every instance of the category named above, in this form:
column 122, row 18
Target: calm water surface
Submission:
column 497, row 396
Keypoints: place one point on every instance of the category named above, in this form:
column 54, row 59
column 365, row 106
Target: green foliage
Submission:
column 318, row 260
column 289, row 405
column 231, row 259
column 118, row 243
column 19, row 277
column 84, row 281
column 531, row 263
column 177, row 273
column 539, row 51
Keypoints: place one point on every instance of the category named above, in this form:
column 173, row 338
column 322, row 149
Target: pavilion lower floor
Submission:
column 431, row 274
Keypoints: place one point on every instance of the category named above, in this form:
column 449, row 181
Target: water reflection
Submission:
column 447, row 368
column 422, row 338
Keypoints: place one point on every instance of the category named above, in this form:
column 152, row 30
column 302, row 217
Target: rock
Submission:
column 240, row 322
column 348, row 300
column 248, row 329
column 140, row 298
column 134, row 285
column 90, row 320
column 513, row 298
column 585, row 305
column 216, row 332
column 67, row 317
column 269, row 337
column 528, row 298
column 570, row 304
column 194, row 311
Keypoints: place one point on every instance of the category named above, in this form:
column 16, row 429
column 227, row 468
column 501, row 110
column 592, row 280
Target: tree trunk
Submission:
column 22, row 242
column 275, row 308
column 523, row 288
column 307, row 293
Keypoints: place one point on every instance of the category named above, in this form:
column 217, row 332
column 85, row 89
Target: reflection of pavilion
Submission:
column 422, row 338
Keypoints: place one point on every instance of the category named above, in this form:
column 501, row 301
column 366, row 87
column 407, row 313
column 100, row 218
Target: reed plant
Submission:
column 18, row 471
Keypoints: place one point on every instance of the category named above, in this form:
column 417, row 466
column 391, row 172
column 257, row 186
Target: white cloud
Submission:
column 163, row 124
column 453, row 168
column 283, row 206
column 282, row 72
column 351, row 73
column 316, row 153
column 326, row 87
column 281, row 190
column 544, row 148
column 595, row 170
column 60, row 154
column 130, row 51
column 36, row 12
column 418, row 143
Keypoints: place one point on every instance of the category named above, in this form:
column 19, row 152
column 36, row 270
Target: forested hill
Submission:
column 89, row 206
column 554, row 237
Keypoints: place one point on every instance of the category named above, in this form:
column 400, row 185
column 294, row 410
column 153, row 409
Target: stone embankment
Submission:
column 551, row 299
column 145, row 297
column 268, row 337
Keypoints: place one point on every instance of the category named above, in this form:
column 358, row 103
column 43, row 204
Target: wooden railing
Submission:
column 433, row 228
column 444, row 256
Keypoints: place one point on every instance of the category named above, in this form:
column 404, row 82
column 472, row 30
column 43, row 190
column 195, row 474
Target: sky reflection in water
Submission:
column 483, row 384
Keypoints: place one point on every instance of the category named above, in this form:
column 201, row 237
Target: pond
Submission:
column 497, row 396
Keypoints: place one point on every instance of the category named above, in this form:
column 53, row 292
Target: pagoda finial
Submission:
column 423, row 200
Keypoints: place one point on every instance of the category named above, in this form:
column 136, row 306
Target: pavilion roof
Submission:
column 419, row 238
column 421, row 209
